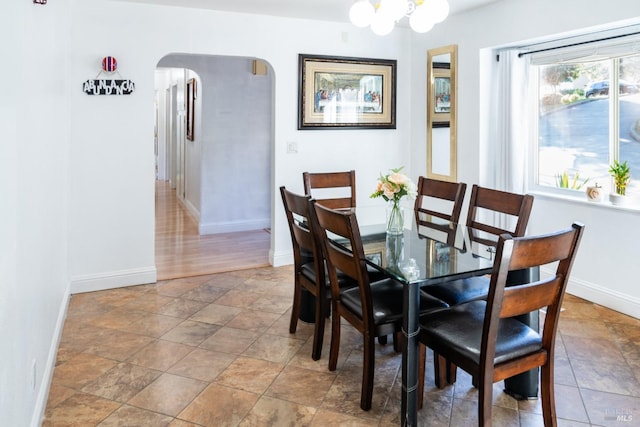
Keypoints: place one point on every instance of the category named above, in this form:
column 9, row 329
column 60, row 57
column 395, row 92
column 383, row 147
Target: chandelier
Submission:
column 422, row 14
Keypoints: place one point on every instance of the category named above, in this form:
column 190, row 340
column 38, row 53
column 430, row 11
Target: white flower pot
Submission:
column 618, row 199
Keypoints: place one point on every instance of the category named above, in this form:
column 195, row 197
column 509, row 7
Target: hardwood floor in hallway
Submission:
column 182, row 252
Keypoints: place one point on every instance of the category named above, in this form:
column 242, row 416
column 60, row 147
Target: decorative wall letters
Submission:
column 108, row 86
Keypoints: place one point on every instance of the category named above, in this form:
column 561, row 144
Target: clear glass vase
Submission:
column 395, row 217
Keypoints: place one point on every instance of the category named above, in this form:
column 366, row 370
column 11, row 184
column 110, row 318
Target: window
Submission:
column 583, row 125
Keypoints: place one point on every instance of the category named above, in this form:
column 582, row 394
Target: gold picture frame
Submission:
column 346, row 93
column 191, row 104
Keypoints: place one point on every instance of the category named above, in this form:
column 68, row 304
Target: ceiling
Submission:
column 323, row 10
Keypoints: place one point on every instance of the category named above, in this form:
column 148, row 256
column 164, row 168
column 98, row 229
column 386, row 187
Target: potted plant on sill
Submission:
column 621, row 177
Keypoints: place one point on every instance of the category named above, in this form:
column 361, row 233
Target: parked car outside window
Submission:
column 602, row 88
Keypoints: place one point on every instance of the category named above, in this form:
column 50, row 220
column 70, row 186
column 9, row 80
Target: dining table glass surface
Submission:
column 436, row 251
column 429, row 254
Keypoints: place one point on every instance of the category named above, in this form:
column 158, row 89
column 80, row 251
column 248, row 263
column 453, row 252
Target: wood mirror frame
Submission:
column 441, row 113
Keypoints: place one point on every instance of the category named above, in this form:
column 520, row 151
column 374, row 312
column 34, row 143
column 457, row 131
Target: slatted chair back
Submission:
column 344, row 226
column 335, row 190
column 515, row 207
column 441, row 199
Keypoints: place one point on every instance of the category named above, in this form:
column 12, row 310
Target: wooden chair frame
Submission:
column 451, row 191
column 304, row 241
column 504, row 303
column 324, row 180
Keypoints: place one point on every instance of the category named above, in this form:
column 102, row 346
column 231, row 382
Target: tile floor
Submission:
column 215, row 351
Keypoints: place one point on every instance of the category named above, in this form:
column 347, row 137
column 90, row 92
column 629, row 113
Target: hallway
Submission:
column 182, row 252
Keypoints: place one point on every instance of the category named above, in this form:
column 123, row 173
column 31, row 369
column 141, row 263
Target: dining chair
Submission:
column 335, row 190
column 484, row 205
column 484, row 338
column 309, row 271
column 309, row 267
column 373, row 308
column 441, row 199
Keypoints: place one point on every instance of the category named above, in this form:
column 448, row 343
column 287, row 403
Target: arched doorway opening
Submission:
column 220, row 178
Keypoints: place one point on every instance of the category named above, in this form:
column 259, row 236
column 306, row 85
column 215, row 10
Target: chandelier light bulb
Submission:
column 361, row 13
column 422, row 14
column 382, row 24
column 397, row 9
column 439, row 10
column 421, row 20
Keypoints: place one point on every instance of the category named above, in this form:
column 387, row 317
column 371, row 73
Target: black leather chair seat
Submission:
column 386, row 295
column 461, row 327
column 309, row 271
column 460, row 291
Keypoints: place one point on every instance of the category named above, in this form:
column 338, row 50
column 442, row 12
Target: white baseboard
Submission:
column 195, row 213
column 114, row 279
column 235, row 226
column 618, row 301
column 47, row 375
column 278, row 259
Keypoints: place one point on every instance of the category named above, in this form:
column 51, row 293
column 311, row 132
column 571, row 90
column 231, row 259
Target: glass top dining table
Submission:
column 425, row 254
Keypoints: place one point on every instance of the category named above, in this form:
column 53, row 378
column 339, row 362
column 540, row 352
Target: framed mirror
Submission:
column 441, row 113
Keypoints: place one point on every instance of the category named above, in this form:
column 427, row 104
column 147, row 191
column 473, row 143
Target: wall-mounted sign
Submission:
column 108, row 86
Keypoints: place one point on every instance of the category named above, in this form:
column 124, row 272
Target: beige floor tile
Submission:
column 190, row 333
column 132, row 416
column 226, row 358
column 79, row 410
column 178, row 287
column 230, row 340
column 252, row 320
column 160, row 355
column 274, row 412
column 251, row 375
column 219, row 406
column 301, row 386
column 274, row 348
column 216, row 314
column 181, row 308
column 80, row 370
column 238, row 298
column 152, row 325
column 168, row 395
column 117, row 345
column 204, row 365
column 151, row 302
column 207, row 292
column 121, row 382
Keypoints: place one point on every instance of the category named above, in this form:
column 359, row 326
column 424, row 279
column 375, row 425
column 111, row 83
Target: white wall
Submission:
column 112, row 169
column 604, row 271
column 34, row 162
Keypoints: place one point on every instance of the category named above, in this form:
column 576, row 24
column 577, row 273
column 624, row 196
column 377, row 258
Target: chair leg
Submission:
column 452, row 372
column 421, row 373
column 318, row 328
column 440, row 369
column 548, row 395
column 295, row 308
column 335, row 338
column 485, row 399
column 368, row 367
column 397, row 341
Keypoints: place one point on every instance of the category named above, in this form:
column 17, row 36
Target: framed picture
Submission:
column 346, row 93
column 191, row 103
column 441, row 93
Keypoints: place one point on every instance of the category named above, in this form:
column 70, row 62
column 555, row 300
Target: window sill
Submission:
column 581, row 199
